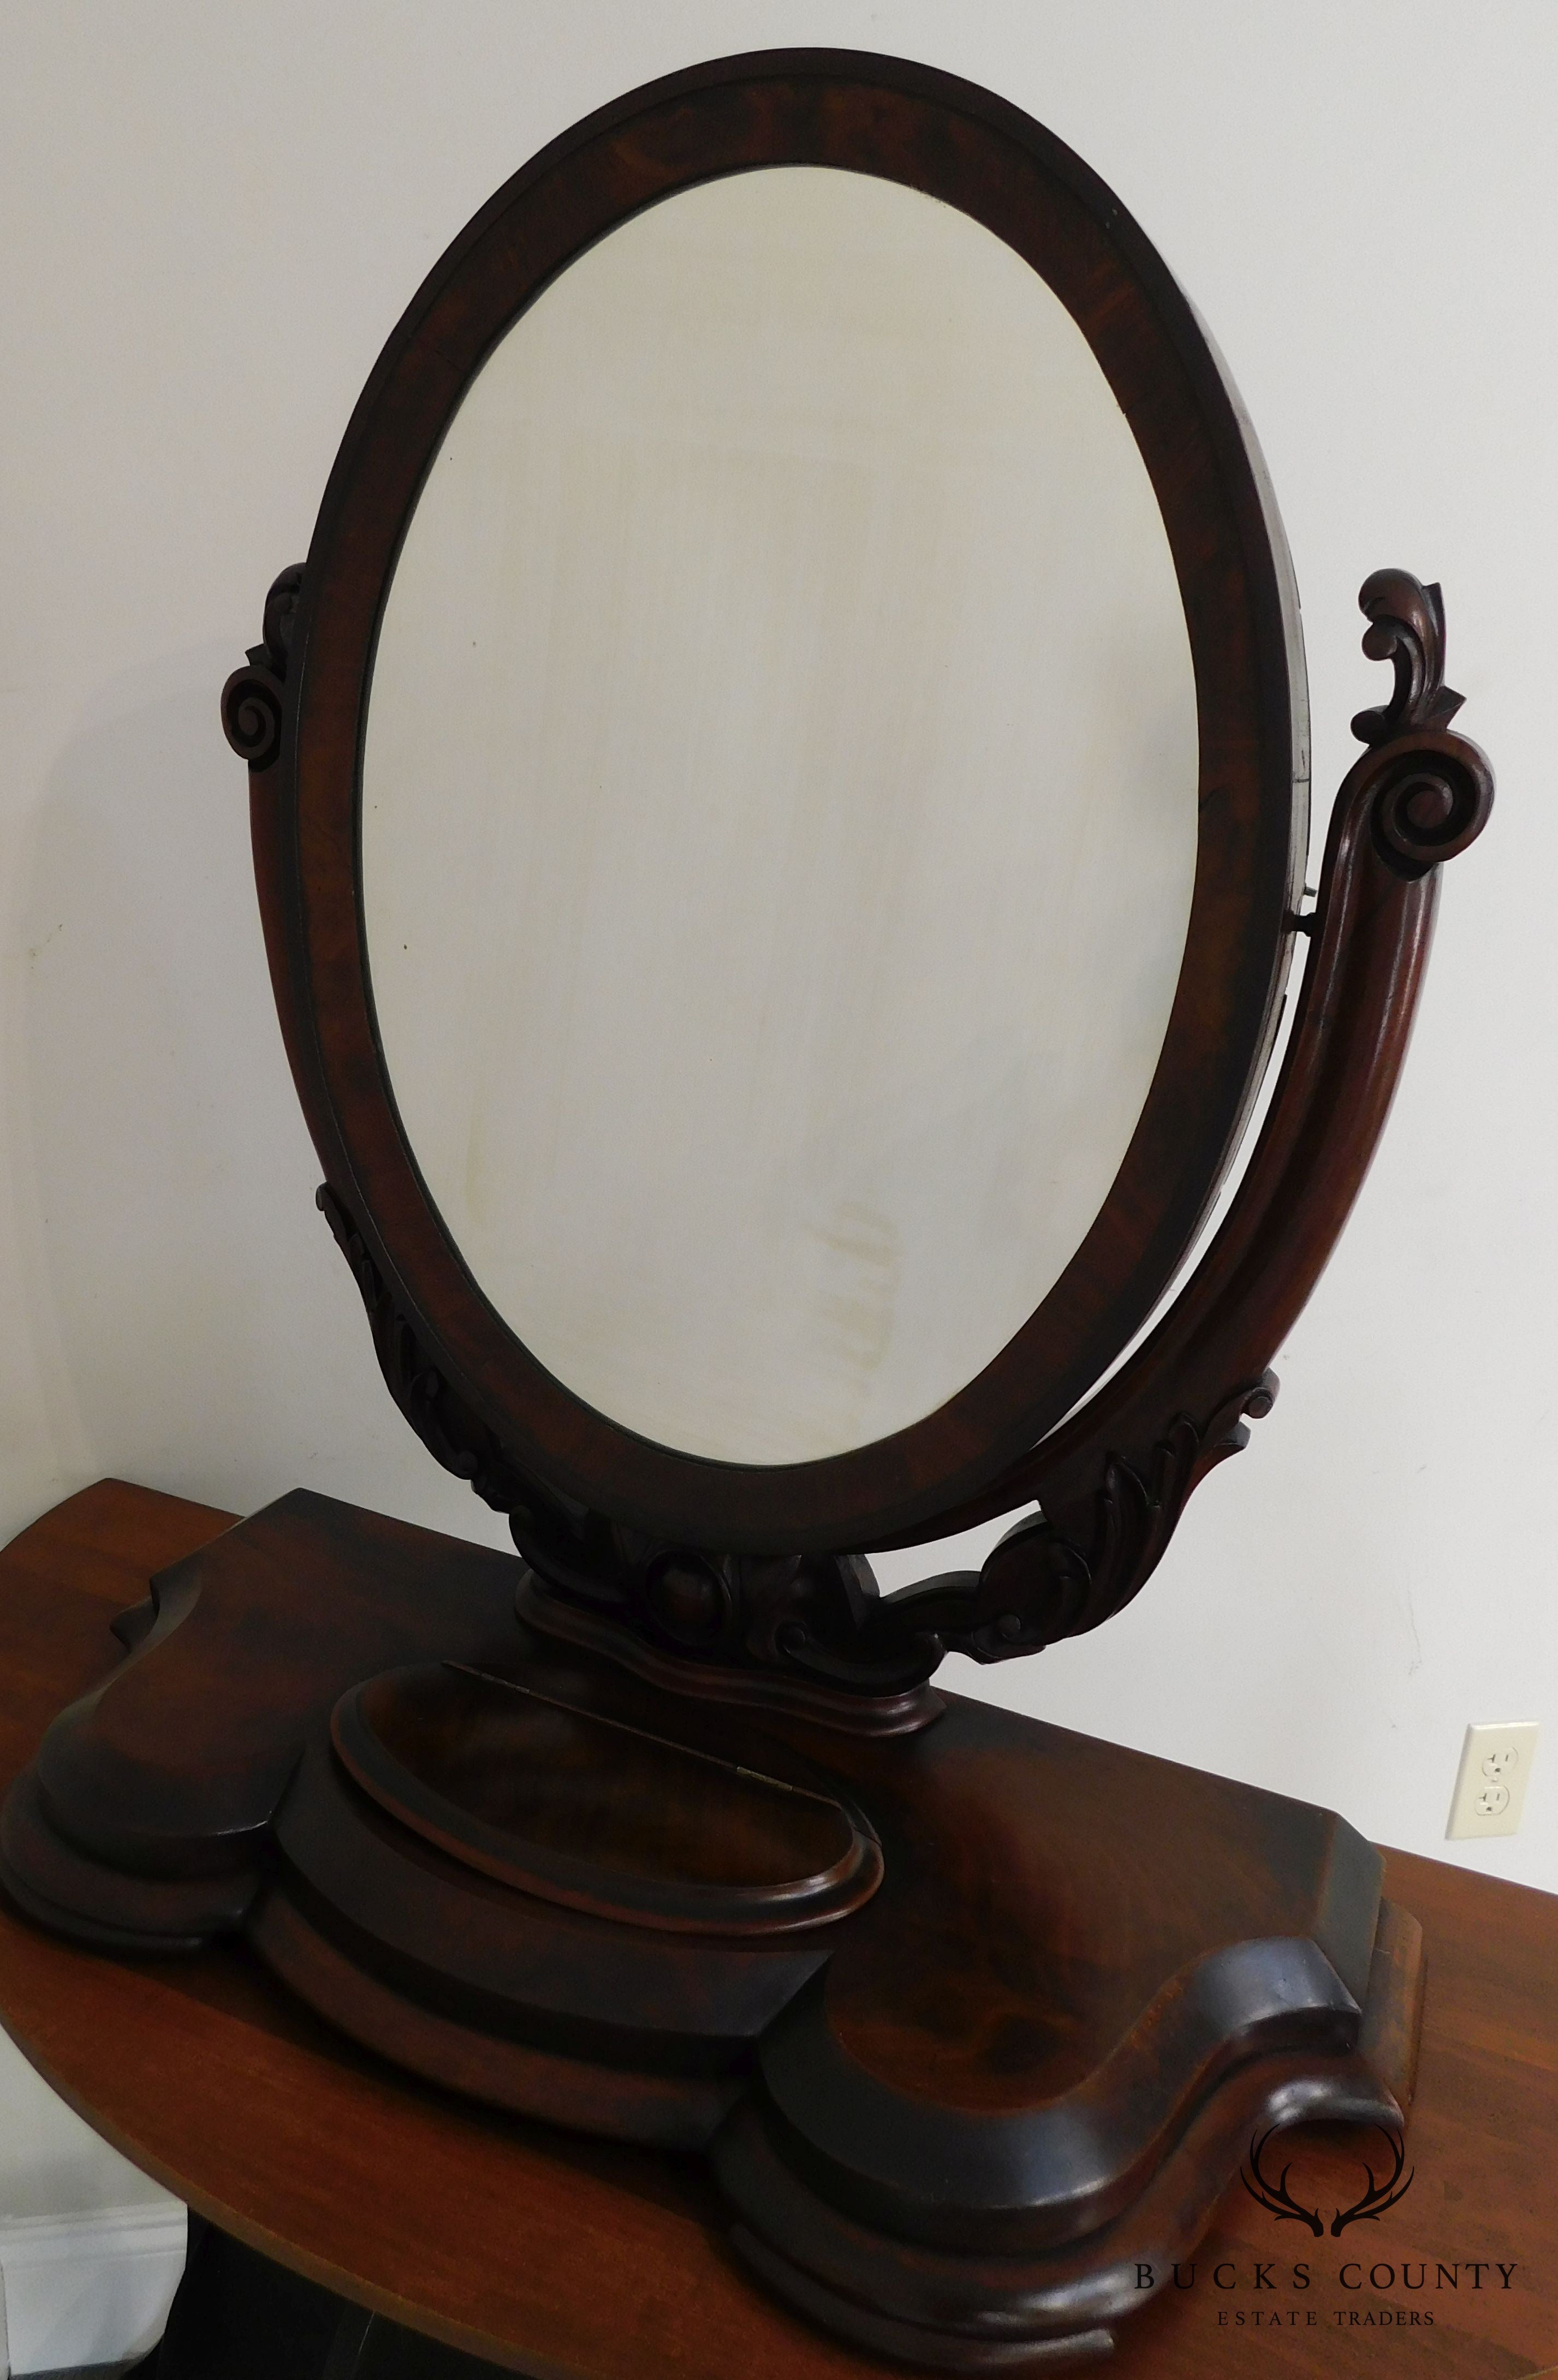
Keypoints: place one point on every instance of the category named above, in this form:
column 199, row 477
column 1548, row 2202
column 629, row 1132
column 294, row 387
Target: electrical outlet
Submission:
column 1491, row 1788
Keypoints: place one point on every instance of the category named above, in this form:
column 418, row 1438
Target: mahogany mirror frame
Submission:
column 969, row 2014
column 928, row 131
column 747, row 1580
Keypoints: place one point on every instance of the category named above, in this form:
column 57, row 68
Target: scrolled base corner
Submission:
column 105, row 1908
column 943, row 2309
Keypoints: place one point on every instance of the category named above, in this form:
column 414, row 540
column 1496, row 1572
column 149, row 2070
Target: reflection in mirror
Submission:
column 779, row 812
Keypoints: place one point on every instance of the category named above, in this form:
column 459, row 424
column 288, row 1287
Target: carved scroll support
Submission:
column 1112, row 1481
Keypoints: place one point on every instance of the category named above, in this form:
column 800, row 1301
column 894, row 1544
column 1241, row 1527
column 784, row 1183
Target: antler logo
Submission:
column 1379, row 2194
column 1275, row 2195
column 1278, row 2200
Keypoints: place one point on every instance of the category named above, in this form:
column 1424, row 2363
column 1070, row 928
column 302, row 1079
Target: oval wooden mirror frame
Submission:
column 754, row 1569
column 924, row 128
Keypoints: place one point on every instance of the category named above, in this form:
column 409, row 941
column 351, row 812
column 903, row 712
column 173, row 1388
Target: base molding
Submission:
column 970, row 2020
column 85, row 2289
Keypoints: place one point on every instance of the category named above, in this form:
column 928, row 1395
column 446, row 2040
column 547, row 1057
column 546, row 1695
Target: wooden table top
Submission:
column 575, row 2260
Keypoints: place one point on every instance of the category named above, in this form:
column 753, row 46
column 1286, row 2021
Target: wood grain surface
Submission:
column 554, row 2256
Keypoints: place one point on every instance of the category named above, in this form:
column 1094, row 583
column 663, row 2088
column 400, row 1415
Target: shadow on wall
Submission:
column 170, row 1253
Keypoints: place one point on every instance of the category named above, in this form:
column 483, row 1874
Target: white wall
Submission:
column 213, row 217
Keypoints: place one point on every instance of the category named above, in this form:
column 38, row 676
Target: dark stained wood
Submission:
column 515, row 1429
column 753, row 1573
column 761, row 1684
column 972, row 2022
column 560, row 2256
column 1112, row 1480
column 595, row 1814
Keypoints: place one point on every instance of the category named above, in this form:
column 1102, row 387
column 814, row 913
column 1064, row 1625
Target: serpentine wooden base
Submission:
column 971, row 2022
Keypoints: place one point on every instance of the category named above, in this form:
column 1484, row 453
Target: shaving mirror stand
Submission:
column 659, row 1829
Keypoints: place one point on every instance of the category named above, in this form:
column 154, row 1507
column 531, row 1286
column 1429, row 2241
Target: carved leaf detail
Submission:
column 1037, row 1587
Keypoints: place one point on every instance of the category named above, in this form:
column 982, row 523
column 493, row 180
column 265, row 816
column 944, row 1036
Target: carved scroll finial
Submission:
column 1436, row 790
column 1406, row 628
column 251, row 699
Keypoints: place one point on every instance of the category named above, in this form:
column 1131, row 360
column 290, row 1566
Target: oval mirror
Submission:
column 794, row 785
column 784, row 712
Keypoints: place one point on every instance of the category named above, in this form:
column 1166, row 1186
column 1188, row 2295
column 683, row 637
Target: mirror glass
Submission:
column 779, row 812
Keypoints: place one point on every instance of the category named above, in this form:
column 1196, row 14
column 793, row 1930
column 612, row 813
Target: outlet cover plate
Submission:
column 1491, row 1787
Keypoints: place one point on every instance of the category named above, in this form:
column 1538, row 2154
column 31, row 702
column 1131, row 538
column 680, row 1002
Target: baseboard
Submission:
column 86, row 2288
